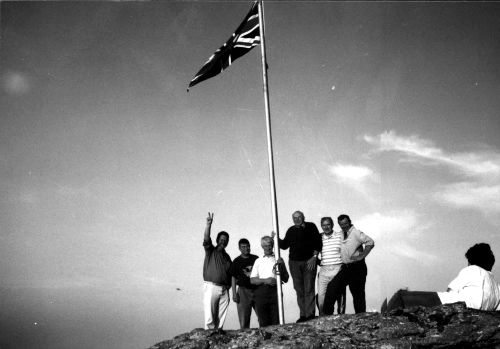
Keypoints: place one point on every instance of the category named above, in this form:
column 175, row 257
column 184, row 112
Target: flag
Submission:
column 245, row 37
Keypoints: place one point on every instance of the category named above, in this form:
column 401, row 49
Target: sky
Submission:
column 386, row 111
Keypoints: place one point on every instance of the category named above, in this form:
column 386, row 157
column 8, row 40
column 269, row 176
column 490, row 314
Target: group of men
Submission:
column 253, row 279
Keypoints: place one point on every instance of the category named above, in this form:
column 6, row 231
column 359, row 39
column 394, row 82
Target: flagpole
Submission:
column 274, row 205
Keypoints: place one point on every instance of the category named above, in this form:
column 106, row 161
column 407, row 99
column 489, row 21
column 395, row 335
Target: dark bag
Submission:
column 281, row 269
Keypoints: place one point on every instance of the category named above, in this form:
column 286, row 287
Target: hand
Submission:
column 280, row 260
column 271, row 281
column 357, row 257
column 273, row 234
column 236, row 297
column 311, row 263
column 210, row 218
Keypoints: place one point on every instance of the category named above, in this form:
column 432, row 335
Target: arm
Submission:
column 267, row 281
column 368, row 242
column 317, row 245
column 311, row 262
column 255, row 278
column 283, row 244
column 365, row 252
column 210, row 218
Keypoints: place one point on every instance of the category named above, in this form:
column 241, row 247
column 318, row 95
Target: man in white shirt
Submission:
column 264, row 276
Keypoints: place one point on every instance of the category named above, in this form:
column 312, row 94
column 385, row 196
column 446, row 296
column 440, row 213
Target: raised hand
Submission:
column 210, row 218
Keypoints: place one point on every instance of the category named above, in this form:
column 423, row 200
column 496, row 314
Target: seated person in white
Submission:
column 474, row 285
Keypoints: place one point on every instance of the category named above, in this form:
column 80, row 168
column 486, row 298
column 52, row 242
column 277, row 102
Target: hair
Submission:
column 344, row 216
column 301, row 213
column 481, row 255
column 220, row 234
column 243, row 241
column 267, row 238
column 327, row 219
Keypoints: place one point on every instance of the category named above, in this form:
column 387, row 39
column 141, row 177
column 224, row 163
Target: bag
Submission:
column 281, row 269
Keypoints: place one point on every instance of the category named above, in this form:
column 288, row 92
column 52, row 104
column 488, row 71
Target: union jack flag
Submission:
column 245, row 37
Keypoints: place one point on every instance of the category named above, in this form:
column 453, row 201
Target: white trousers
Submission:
column 215, row 304
column 325, row 275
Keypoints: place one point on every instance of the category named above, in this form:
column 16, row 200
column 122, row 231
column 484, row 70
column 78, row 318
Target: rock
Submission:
column 445, row 326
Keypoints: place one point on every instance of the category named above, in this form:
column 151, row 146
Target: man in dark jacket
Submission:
column 304, row 241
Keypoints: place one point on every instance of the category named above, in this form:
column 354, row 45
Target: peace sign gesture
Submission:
column 210, row 218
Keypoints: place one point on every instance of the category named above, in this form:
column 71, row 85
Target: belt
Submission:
column 216, row 284
column 354, row 264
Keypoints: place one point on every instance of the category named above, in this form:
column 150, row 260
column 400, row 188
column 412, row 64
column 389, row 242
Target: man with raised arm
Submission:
column 304, row 242
column 216, row 276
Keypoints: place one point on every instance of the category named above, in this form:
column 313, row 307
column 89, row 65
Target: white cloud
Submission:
column 480, row 187
column 393, row 223
column 15, row 83
column 476, row 164
column 351, row 173
column 472, row 195
column 395, row 231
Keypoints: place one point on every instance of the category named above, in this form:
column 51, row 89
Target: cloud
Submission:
column 390, row 224
column 15, row 83
column 396, row 231
column 480, row 170
column 351, row 173
column 471, row 195
column 479, row 164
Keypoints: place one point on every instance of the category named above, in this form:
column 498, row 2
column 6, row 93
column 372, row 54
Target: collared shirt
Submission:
column 263, row 267
column 474, row 286
column 353, row 244
column 330, row 253
column 216, row 265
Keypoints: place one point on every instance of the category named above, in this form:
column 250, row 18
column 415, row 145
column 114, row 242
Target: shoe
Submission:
column 311, row 317
column 301, row 319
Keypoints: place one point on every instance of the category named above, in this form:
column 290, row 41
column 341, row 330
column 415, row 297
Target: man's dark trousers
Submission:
column 303, row 283
column 266, row 305
column 354, row 275
column 245, row 306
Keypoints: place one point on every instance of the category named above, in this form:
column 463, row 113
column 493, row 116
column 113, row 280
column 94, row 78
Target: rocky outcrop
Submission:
column 446, row 326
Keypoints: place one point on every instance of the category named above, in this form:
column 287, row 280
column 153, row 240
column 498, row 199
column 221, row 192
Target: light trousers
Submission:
column 215, row 304
column 325, row 275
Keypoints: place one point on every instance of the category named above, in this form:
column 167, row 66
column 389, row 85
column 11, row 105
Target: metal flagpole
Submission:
column 270, row 157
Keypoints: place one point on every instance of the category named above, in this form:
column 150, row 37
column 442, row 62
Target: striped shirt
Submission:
column 330, row 254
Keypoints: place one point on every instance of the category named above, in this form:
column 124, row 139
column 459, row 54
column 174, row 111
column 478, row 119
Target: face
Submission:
column 298, row 218
column 345, row 225
column 244, row 249
column 267, row 247
column 327, row 226
column 223, row 241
